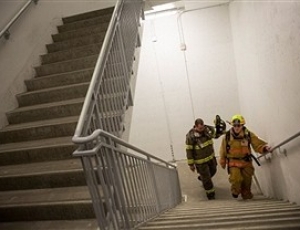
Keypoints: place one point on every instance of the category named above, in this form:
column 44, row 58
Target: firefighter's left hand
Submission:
column 192, row 168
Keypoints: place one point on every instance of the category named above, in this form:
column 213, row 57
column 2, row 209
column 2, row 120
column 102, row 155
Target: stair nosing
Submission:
column 46, row 105
column 63, row 62
column 86, row 199
column 68, row 50
column 90, row 19
column 36, row 144
column 79, row 14
column 35, row 124
column 73, row 39
column 79, row 29
column 25, row 170
column 39, row 78
column 52, row 89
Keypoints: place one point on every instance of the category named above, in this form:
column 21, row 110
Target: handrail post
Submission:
column 151, row 170
column 6, row 34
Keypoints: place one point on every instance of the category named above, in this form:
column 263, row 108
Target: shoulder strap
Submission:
column 248, row 136
column 227, row 138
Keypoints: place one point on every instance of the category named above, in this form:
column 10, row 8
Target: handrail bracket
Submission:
column 6, row 34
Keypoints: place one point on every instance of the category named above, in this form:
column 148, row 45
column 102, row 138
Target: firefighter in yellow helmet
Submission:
column 200, row 152
column 235, row 152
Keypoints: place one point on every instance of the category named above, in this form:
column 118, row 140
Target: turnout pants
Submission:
column 207, row 171
column 241, row 180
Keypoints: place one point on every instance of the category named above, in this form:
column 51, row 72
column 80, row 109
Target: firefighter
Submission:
column 235, row 152
column 200, row 154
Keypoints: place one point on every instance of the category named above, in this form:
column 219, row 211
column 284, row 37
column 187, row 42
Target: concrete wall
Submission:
column 267, row 53
column 175, row 86
column 29, row 35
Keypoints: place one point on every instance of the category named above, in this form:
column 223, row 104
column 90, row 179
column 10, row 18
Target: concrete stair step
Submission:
column 88, row 15
column 75, row 77
column 76, row 42
column 52, row 128
column 46, row 111
column 52, row 174
column 51, row 149
column 284, row 223
column 67, row 66
column 235, row 223
column 258, row 213
column 84, row 23
column 70, row 54
column 267, row 212
column 241, row 206
column 64, row 93
column 55, row 94
column 46, row 204
column 60, row 127
column 81, row 32
column 86, row 224
column 64, row 108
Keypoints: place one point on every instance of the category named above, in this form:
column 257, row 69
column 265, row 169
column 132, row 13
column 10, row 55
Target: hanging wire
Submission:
column 183, row 47
column 162, row 93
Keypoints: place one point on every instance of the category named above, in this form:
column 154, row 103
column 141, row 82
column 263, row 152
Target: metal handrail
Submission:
column 99, row 68
column 137, row 185
column 282, row 143
column 5, row 32
column 128, row 186
column 99, row 132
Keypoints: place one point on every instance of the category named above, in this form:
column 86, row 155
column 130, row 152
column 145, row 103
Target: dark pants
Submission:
column 207, row 171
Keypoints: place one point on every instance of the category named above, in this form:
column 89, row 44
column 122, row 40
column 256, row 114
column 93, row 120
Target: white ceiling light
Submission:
column 163, row 7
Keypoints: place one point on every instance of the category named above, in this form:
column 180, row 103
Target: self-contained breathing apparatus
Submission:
column 247, row 136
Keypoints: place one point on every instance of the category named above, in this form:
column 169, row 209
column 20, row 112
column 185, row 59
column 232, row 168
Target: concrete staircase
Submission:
column 259, row 214
column 196, row 212
column 41, row 185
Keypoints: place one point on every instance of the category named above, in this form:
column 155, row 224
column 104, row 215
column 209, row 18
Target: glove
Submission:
column 192, row 168
column 267, row 149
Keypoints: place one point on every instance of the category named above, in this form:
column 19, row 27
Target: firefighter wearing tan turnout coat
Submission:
column 235, row 152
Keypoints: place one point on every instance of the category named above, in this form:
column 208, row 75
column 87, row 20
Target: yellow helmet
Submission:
column 238, row 119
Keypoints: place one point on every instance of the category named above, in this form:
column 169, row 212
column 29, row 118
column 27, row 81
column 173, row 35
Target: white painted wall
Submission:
column 267, row 53
column 29, row 36
column 174, row 87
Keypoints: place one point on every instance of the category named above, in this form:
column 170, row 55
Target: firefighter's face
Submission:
column 237, row 128
column 200, row 128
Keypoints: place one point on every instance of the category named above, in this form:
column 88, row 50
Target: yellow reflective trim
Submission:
column 188, row 147
column 204, row 160
column 190, row 161
column 210, row 191
column 197, row 147
column 209, row 142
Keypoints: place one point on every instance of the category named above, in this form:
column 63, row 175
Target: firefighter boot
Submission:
column 211, row 196
column 246, row 194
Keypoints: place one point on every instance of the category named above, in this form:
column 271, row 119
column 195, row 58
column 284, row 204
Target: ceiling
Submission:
column 150, row 3
column 182, row 4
